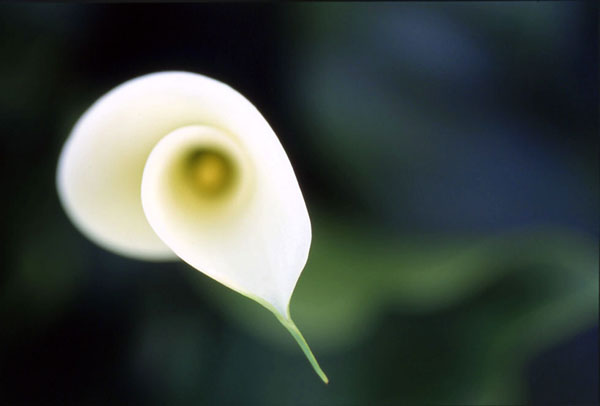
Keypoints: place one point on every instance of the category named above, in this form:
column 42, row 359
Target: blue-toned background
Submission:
column 448, row 154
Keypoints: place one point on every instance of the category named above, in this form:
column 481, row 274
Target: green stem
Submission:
column 291, row 327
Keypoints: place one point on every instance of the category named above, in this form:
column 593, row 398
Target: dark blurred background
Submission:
column 448, row 154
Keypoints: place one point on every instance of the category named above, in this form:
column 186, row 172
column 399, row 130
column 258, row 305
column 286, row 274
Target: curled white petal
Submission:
column 255, row 239
column 178, row 163
column 100, row 170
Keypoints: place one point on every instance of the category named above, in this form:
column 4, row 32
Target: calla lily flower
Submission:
column 178, row 165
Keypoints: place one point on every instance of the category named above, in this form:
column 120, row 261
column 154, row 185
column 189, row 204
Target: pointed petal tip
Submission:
column 289, row 324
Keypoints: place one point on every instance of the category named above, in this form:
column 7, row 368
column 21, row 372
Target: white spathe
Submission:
column 125, row 178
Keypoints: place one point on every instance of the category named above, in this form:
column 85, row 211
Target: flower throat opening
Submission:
column 210, row 172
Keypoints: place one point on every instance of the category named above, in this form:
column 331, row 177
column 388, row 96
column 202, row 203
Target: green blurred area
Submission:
column 460, row 318
column 497, row 301
column 448, row 157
